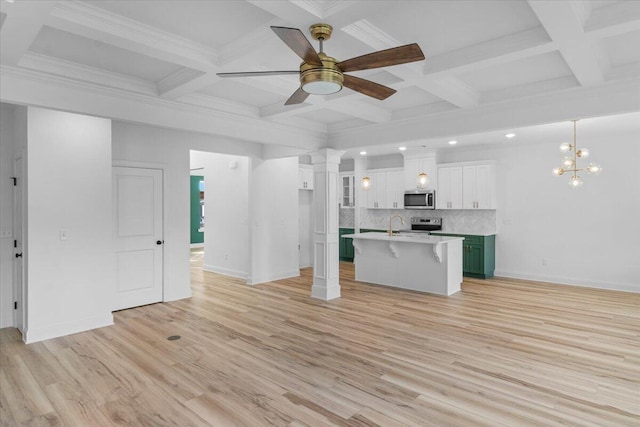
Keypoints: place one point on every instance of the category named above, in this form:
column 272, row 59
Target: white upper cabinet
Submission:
column 395, row 190
column 386, row 189
column 377, row 192
column 347, row 190
column 470, row 185
column 479, row 187
column 449, row 193
column 305, row 177
column 415, row 165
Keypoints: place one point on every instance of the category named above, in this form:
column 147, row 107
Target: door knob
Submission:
column 19, row 255
column 159, row 242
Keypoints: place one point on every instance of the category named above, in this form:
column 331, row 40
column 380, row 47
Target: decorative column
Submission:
column 326, row 274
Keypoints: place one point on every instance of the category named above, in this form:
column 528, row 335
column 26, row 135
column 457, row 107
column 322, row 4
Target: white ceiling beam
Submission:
column 86, row 73
column 613, row 98
column 563, row 23
column 21, row 27
column 450, row 89
column 494, row 52
column 98, row 24
column 21, row 86
column 618, row 18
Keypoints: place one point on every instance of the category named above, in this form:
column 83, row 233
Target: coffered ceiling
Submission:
column 490, row 65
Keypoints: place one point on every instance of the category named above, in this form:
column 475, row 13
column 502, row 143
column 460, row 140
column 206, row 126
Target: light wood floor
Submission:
column 501, row 352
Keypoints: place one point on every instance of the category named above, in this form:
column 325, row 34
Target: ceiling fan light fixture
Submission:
column 323, row 80
column 320, row 87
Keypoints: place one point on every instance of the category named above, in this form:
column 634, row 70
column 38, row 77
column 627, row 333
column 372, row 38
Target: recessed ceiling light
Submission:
column 510, row 135
column 453, row 142
column 363, row 153
column 402, row 148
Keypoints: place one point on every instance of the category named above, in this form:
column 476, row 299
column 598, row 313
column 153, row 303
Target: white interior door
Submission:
column 138, row 235
column 19, row 254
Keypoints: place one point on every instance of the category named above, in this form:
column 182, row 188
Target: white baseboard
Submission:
column 32, row 335
column 185, row 293
column 197, row 245
column 625, row 287
column 273, row 277
column 225, row 271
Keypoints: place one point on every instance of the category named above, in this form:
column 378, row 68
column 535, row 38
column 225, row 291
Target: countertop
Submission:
column 413, row 238
column 472, row 233
column 468, row 233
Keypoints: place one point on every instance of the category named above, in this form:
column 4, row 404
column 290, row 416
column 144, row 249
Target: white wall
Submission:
column 70, row 282
column 274, row 219
column 6, row 214
column 587, row 236
column 305, row 235
column 226, row 210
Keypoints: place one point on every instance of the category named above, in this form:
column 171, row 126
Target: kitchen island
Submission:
column 418, row 262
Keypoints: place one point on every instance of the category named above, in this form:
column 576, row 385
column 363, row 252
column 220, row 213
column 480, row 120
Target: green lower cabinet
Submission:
column 478, row 255
column 346, row 245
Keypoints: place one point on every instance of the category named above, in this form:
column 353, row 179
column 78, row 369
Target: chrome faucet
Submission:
column 390, row 231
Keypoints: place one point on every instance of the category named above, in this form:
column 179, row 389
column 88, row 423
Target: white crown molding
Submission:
column 564, row 26
column 613, row 20
column 314, row 7
column 302, row 123
column 584, row 101
column 219, row 104
column 69, row 69
column 424, row 110
column 22, row 86
column 494, row 52
column 529, row 89
column 368, row 33
column 90, row 21
column 179, row 78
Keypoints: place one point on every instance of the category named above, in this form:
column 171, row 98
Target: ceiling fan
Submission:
column 323, row 75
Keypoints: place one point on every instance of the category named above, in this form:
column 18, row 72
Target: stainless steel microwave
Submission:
column 420, row 199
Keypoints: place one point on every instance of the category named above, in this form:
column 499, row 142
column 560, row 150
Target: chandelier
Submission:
column 570, row 161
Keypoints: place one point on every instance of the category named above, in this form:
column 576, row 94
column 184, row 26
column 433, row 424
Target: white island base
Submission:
column 421, row 263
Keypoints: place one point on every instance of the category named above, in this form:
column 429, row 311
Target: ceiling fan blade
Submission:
column 257, row 73
column 368, row 87
column 383, row 58
column 298, row 97
column 294, row 38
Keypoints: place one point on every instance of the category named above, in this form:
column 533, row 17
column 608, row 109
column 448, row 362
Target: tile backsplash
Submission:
column 469, row 221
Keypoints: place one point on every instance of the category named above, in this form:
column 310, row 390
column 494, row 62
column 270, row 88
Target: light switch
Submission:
column 6, row 233
column 64, row 234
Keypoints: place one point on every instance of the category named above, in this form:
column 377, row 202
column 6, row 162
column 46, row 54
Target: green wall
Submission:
column 196, row 236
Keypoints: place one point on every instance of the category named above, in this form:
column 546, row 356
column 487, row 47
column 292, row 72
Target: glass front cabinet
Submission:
column 347, row 191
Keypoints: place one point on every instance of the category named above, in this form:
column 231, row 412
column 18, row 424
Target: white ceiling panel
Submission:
column 235, row 91
column 212, row 23
column 443, row 26
column 623, row 49
column 408, row 97
column 324, row 116
column 525, row 71
column 70, row 47
column 489, row 64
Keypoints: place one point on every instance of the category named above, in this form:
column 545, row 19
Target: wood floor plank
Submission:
column 500, row 352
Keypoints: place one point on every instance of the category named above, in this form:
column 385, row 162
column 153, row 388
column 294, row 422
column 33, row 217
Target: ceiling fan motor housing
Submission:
column 321, row 80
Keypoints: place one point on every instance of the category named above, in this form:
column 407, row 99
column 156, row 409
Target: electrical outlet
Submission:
column 226, row 257
column 544, row 262
column 6, row 233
